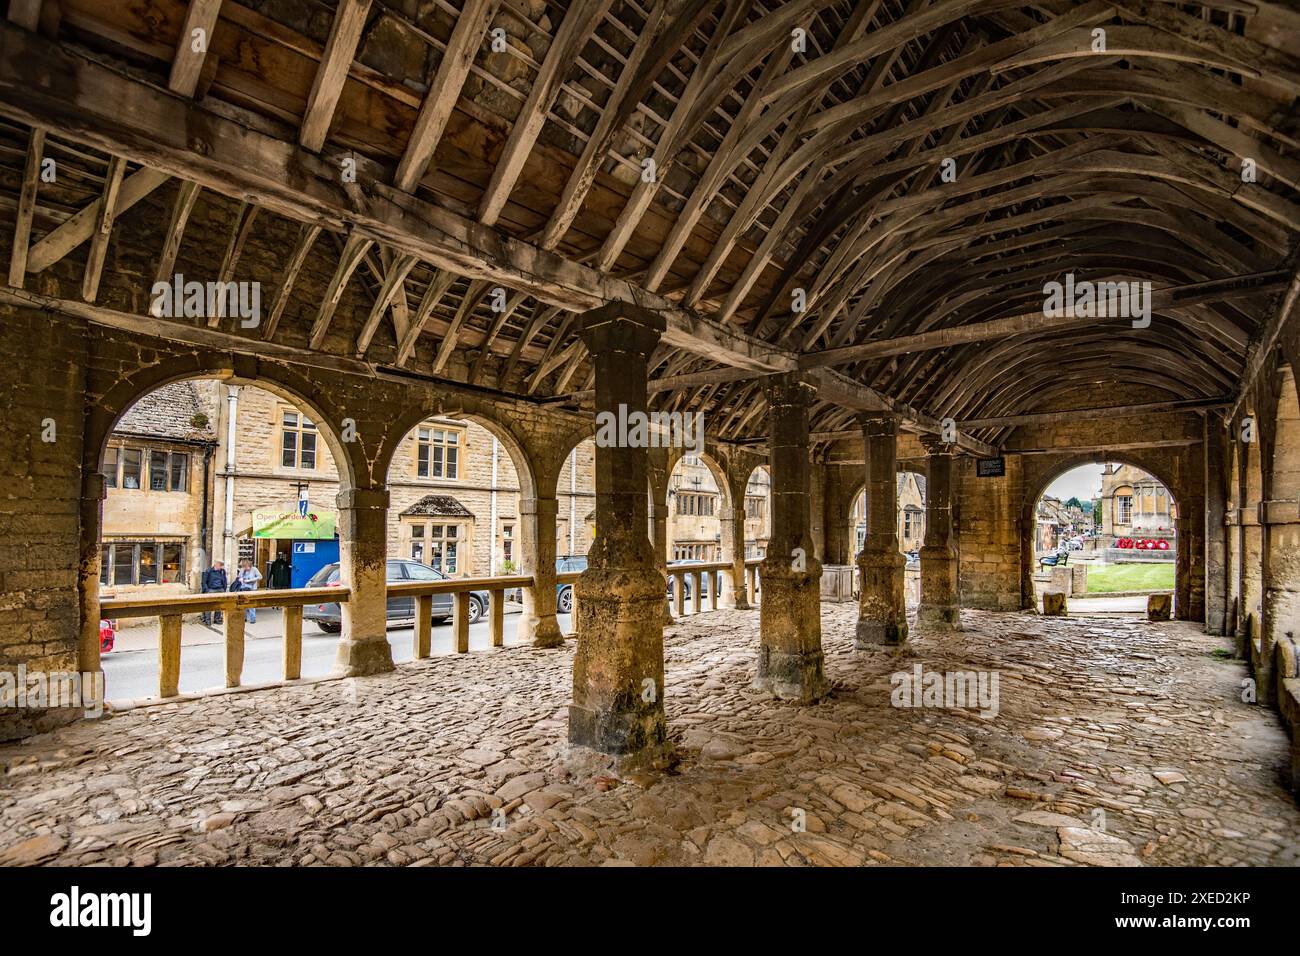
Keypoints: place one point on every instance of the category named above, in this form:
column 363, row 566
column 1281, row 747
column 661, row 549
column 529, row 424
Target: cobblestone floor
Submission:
column 1116, row 742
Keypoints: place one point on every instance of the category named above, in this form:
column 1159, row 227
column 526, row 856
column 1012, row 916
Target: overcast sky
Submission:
column 1083, row 483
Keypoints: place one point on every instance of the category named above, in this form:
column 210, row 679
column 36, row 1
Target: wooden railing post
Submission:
column 169, row 655
column 715, row 589
column 234, row 642
column 292, row 641
column 697, row 596
column 460, row 622
column 679, row 594
column 497, row 608
column 420, row 640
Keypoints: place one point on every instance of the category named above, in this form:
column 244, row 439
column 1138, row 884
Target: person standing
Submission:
column 247, row 580
column 281, row 576
column 213, row 579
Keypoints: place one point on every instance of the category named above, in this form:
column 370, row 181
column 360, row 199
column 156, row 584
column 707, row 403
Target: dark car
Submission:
column 705, row 579
column 564, row 592
column 329, row 617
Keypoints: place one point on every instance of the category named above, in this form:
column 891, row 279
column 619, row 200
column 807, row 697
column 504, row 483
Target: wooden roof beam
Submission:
column 340, row 51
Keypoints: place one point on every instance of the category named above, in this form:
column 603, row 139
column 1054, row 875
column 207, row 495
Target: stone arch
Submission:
column 1035, row 490
column 709, row 457
column 109, row 401
column 103, row 414
column 404, row 494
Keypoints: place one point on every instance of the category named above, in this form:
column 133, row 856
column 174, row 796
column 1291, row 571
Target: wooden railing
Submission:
column 459, row 588
column 170, row 611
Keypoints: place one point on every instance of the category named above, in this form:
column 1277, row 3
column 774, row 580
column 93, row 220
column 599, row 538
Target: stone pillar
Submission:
column 363, row 557
column 882, row 608
column 93, row 492
column 1189, row 584
column 618, row 670
column 790, row 652
column 537, row 623
column 1216, row 537
column 939, row 607
column 733, row 550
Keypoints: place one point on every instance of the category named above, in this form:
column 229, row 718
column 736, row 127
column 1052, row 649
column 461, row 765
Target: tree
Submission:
column 1074, row 503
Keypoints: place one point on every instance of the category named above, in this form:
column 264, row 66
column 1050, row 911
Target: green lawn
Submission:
column 1131, row 577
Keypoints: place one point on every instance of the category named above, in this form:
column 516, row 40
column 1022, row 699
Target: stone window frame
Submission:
column 139, row 547
column 146, row 453
column 303, row 425
column 461, row 448
column 697, row 500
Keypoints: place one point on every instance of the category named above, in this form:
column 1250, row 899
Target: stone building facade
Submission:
column 157, row 470
column 1134, row 504
column 453, row 488
column 695, row 511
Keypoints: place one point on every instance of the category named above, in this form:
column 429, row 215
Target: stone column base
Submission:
column 882, row 611
column 939, row 617
column 362, row 658
column 872, row 634
column 541, row 630
column 795, row 676
column 790, row 653
column 618, row 671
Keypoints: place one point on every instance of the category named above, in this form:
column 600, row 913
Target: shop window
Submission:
column 125, row 563
column 437, row 545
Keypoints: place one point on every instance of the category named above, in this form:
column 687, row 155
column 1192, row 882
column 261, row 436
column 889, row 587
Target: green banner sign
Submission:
column 289, row 524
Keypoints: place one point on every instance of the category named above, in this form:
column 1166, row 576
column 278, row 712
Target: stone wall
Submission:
column 987, row 521
column 39, row 511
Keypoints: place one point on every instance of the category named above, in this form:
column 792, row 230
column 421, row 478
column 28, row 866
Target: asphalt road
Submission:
column 131, row 670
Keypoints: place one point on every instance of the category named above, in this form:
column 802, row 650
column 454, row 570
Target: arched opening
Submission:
column 1105, row 534
column 699, row 502
column 214, row 484
column 575, row 492
column 910, row 503
column 758, row 512
column 1252, row 536
column 454, row 485
column 1236, row 620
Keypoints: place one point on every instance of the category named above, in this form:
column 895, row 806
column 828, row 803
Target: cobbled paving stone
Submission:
column 1116, row 742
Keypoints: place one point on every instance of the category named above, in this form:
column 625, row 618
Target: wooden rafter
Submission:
column 26, row 208
column 340, row 50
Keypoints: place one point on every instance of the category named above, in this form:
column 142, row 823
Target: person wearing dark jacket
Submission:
column 213, row 579
column 281, row 575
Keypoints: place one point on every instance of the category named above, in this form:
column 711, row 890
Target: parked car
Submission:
column 107, row 635
column 686, row 590
column 329, row 616
column 913, row 558
column 564, row 592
